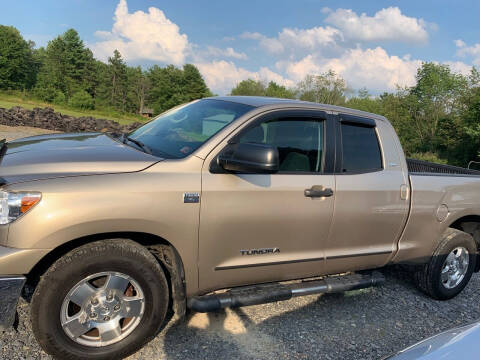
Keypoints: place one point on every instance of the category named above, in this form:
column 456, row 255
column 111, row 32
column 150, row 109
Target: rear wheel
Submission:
column 103, row 300
column 451, row 266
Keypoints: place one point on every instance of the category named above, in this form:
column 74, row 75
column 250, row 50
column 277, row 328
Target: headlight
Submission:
column 15, row 204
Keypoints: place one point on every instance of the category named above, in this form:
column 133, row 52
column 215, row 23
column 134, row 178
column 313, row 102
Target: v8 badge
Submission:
column 191, row 198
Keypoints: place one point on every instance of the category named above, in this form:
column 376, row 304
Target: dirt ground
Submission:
column 12, row 133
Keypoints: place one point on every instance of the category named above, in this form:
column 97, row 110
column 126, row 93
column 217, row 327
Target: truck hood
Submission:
column 60, row 155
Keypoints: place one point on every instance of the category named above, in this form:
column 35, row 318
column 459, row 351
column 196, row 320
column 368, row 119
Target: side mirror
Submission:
column 250, row 158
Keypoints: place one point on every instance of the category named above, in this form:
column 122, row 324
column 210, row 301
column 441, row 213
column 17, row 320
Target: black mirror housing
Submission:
column 250, row 158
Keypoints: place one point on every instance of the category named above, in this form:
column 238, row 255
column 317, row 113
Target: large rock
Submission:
column 47, row 118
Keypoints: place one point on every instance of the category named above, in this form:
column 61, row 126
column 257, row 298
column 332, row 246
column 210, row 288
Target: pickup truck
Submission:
column 222, row 202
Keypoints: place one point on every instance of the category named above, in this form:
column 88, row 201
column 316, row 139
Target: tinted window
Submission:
column 360, row 148
column 182, row 130
column 299, row 142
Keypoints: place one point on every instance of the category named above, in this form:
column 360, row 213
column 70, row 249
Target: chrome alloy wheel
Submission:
column 102, row 309
column 455, row 267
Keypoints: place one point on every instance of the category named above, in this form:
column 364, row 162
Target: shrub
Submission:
column 59, row 98
column 45, row 94
column 81, row 100
column 428, row 156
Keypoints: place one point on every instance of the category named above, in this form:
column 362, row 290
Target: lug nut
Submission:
column 116, row 307
column 106, row 318
column 109, row 297
column 93, row 315
column 94, row 301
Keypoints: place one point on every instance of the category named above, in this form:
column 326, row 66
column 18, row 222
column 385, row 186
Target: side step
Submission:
column 266, row 293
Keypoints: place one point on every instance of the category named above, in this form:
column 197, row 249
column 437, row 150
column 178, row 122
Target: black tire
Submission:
column 119, row 255
column 428, row 276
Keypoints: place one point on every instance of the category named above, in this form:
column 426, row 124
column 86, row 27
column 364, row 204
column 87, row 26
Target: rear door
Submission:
column 371, row 199
column 262, row 227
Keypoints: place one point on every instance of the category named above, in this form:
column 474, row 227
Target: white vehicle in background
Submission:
column 460, row 343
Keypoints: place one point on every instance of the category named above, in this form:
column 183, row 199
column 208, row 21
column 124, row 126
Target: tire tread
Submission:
column 124, row 248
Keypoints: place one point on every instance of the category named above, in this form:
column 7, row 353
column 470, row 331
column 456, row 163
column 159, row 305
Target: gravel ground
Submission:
column 362, row 324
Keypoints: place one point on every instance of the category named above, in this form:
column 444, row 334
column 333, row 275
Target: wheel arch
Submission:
column 471, row 225
column 165, row 253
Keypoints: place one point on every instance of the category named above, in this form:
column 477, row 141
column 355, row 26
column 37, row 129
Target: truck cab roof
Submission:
column 263, row 101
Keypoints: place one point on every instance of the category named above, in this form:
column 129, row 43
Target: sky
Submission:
column 376, row 45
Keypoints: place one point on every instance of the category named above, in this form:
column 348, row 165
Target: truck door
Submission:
column 269, row 227
column 371, row 202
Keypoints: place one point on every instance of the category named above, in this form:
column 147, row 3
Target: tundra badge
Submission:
column 260, row 251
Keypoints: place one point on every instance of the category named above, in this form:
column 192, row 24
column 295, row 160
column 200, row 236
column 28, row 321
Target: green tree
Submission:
column 279, row 91
column 326, row 88
column 18, row 67
column 138, row 88
column 470, row 148
column 249, row 87
column 365, row 102
column 118, row 78
column 166, row 89
column 434, row 98
column 68, row 66
column 171, row 86
column 193, row 84
column 252, row 87
column 395, row 107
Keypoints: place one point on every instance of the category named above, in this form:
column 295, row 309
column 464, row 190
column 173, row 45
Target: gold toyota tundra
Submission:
column 222, row 202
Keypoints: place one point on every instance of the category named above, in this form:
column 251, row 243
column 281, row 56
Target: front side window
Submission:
column 182, row 130
column 361, row 151
column 299, row 141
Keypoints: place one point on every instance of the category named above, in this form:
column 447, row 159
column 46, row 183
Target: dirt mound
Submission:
column 47, row 118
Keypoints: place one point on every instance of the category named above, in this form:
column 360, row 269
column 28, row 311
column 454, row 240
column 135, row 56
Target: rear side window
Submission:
column 361, row 151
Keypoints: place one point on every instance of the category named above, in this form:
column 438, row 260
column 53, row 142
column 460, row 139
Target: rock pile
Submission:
column 47, row 118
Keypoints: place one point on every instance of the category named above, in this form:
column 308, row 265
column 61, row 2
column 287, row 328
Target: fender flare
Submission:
column 172, row 263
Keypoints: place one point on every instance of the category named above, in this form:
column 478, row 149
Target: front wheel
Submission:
column 451, row 266
column 103, row 300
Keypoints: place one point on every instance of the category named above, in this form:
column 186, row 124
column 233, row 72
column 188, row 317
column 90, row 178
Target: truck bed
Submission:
column 421, row 167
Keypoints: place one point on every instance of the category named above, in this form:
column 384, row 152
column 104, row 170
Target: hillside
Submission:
column 9, row 101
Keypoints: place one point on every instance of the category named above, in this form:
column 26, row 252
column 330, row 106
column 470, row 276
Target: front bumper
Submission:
column 14, row 261
column 10, row 289
column 19, row 261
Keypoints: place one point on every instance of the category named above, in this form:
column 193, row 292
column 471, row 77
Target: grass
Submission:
column 10, row 100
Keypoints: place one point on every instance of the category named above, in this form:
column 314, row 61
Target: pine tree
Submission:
column 194, row 86
column 68, row 66
column 118, row 77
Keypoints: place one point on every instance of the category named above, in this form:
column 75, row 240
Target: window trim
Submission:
column 329, row 153
column 360, row 122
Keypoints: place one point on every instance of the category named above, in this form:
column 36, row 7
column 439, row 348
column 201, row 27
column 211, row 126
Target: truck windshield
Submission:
column 180, row 131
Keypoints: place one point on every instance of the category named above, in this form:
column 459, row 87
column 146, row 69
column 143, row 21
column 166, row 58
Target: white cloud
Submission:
column 272, row 45
column 141, row 35
column 152, row 36
column 459, row 67
column 386, row 25
column 229, row 52
column 471, row 51
column 370, row 68
column 312, row 51
column 221, row 76
column 294, row 39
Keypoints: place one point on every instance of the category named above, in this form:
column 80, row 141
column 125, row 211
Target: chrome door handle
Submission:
column 318, row 191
